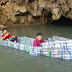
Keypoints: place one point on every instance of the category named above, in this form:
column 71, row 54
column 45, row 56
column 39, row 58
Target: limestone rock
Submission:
column 33, row 11
column 56, row 13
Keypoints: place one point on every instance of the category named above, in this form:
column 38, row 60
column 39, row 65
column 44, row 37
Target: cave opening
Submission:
column 30, row 1
column 22, row 14
column 63, row 21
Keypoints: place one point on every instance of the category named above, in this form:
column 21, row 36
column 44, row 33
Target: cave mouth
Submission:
column 30, row 1
column 63, row 21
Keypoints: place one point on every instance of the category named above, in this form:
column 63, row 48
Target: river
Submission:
column 12, row 60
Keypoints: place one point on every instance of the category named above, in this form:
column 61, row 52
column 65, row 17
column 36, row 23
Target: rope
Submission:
column 61, row 55
column 24, row 40
column 0, row 41
column 40, row 52
column 27, row 48
column 68, row 51
column 53, row 39
column 48, row 52
column 10, row 44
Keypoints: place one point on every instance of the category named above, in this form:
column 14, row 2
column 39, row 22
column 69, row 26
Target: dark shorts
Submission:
column 14, row 39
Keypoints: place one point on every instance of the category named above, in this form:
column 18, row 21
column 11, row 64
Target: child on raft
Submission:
column 37, row 42
column 7, row 35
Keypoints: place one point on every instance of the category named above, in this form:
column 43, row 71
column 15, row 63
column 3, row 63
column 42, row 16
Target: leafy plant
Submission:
column 66, row 13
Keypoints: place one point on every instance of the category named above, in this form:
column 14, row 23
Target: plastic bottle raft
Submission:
column 57, row 47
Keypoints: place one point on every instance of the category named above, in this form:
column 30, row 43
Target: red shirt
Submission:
column 37, row 42
column 7, row 37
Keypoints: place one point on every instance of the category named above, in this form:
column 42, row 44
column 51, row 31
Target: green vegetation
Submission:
column 66, row 13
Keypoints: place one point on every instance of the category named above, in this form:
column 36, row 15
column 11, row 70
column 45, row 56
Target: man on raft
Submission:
column 37, row 42
column 7, row 35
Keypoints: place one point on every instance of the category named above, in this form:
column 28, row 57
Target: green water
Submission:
column 46, row 30
column 12, row 60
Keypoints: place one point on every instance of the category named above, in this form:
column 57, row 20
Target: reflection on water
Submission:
column 12, row 60
column 46, row 30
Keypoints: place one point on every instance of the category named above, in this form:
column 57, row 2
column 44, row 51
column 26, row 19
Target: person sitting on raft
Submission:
column 38, row 40
column 6, row 35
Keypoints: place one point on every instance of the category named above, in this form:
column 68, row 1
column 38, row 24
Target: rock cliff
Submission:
column 25, row 12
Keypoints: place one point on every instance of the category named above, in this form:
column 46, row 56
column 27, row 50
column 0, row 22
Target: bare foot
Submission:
column 15, row 41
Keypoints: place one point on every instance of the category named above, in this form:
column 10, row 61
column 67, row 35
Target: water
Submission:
column 46, row 30
column 12, row 60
